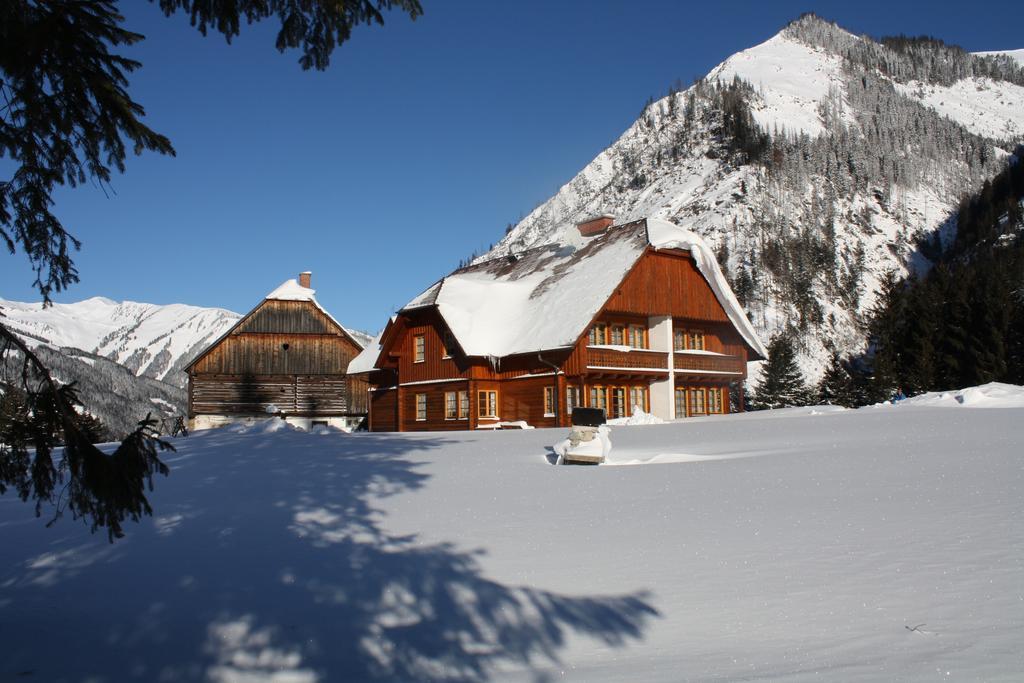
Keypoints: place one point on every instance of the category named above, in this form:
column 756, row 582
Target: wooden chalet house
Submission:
column 286, row 357
column 627, row 317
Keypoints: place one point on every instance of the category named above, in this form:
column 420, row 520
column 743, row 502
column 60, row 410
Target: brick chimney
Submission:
column 305, row 278
column 595, row 226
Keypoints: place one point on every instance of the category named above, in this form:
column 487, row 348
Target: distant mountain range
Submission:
column 813, row 163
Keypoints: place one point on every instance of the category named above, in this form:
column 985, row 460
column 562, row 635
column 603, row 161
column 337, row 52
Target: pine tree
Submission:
column 836, row 385
column 885, row 336
column 38, row 416
column 781, row 384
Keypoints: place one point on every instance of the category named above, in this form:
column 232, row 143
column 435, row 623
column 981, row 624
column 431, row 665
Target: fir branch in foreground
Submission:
column 102, row 489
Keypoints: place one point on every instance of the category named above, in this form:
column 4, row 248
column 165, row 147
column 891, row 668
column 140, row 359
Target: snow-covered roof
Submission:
column 291, row 290
column 367, row 358
column 544, row 298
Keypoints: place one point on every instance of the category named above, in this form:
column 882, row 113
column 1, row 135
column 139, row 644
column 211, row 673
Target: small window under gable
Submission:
column 448, row 344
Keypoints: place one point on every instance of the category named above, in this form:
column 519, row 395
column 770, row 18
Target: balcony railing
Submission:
column 634, row 359
column 705, row 363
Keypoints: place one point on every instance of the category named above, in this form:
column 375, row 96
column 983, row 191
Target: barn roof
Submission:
column 289, row 290
column 544, row 298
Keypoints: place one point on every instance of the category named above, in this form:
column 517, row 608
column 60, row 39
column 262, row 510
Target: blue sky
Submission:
column 418, row 146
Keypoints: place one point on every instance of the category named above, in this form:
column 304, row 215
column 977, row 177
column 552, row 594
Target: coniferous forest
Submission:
column 961, row 324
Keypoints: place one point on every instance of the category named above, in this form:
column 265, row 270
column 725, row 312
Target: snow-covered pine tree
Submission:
column 781, row 384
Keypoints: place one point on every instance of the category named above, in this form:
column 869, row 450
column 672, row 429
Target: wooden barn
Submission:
column 286, row 357
column 634, row 317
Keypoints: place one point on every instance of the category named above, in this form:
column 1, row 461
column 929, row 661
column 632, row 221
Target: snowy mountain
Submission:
column 813, row 163
column 796, row 546
column 126, row 358
column 150, row 340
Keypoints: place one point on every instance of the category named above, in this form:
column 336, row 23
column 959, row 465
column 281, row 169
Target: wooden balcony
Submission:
column 635, row 361
column 707, row 364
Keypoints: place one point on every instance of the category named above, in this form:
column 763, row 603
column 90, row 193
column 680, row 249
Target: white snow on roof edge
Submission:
column 291, row 290
column 665, row 235
column 366, row 361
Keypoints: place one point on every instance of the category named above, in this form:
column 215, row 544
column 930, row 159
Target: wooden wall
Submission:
column 265, row 354
column 288, row 317
column 523, row 399
column 384, row 410
column 434, row 366
column 290, row 394
column 435, row 407
column 666, row 284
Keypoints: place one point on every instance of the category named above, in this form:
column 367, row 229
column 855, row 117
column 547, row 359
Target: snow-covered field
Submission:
column 885, row 543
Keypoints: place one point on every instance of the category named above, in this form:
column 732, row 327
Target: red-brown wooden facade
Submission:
column 420, row 364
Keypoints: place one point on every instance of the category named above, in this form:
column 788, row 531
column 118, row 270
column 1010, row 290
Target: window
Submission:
column 696, row 396
column 572, row 399
column 637, row 336
column 549, row 401
column 448, row 344
column 599, row 398
column 487, row 403
column 638, row 399
column 419, row 348
column 680, row 402
column 715, row 400
column 679, row 340
column 688, row 340
column 618, row 396
column 421, row 407
column 451, row 405
column 598, row 334
column 618, row 335
column 463, row 405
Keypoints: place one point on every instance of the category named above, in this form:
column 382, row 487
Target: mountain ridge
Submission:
column 813, row 163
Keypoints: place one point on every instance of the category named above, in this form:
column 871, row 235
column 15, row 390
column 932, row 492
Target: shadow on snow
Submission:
column 272, row 565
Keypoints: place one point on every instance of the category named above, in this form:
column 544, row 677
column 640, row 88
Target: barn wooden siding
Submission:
column 287, row 354
column 300, row 395
column 288, row 317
